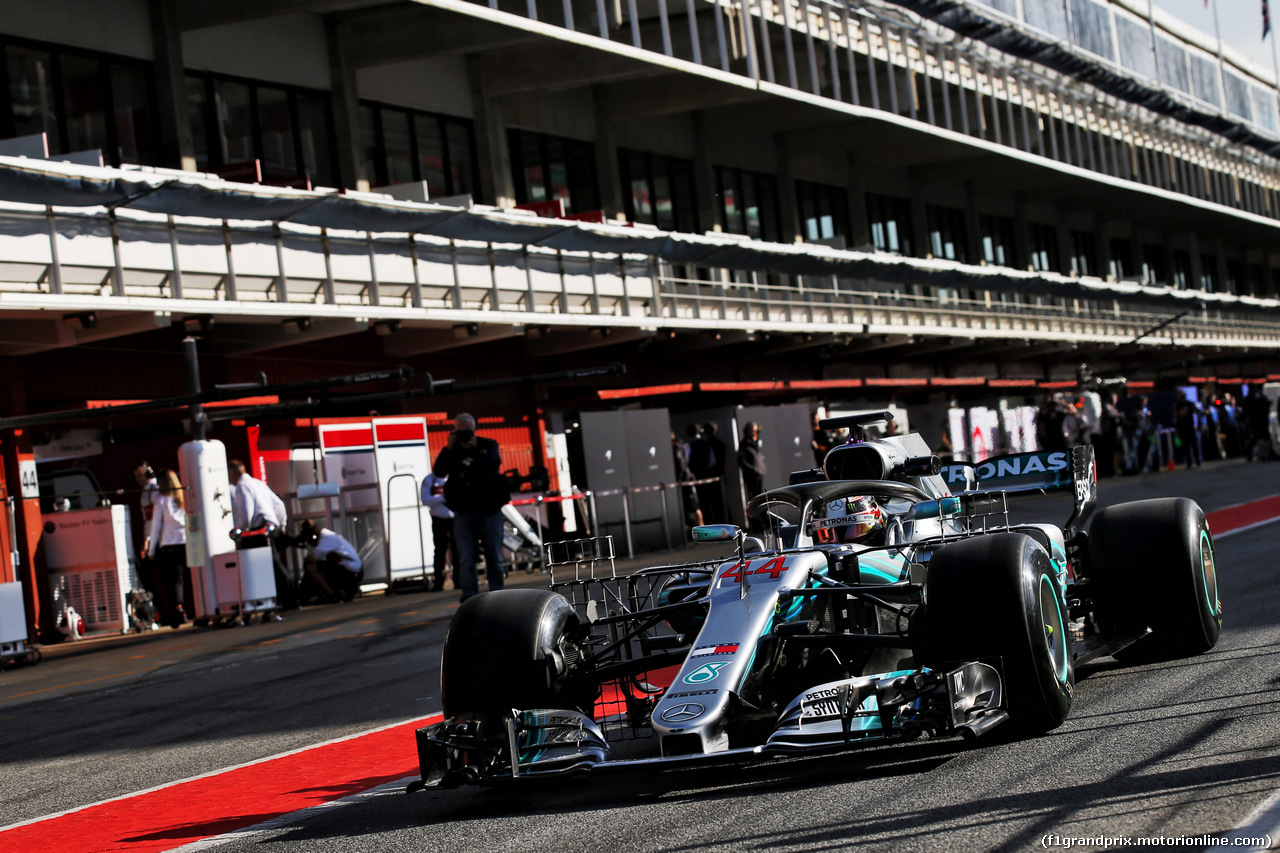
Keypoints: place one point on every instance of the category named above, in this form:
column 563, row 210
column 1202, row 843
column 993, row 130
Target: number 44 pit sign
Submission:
column 30, row 483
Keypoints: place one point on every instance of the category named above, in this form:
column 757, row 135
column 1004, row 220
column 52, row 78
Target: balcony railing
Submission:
column 130, row 260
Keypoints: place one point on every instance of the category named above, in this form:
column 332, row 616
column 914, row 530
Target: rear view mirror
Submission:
column 716, row 533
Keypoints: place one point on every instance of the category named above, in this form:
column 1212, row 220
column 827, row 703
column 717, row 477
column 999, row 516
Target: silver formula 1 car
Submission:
column 884, row 598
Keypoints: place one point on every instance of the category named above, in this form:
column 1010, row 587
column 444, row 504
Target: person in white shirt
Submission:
column 441, row 526
column 167, row 543
column 334, row 563
column 146, row 480
column 253, row 506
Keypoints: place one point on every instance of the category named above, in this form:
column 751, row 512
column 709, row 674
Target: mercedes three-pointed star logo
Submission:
column 683, row 713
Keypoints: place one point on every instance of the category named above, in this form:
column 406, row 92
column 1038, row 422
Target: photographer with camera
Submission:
column 476, row 492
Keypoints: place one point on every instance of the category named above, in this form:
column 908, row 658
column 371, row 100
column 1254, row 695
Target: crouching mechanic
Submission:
column 334, row 564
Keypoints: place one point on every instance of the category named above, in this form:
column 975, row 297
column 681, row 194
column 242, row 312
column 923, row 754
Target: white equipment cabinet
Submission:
column 13, row 621
column 225, row 583
column 90, row 556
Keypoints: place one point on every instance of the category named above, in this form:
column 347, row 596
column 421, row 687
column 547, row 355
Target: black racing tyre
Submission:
column 997, row 597
column 1151, row 565
column 504, row 651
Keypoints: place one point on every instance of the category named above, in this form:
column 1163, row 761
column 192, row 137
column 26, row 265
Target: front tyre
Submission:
column 511, row 649
column 1151, row 564
column 997, row 597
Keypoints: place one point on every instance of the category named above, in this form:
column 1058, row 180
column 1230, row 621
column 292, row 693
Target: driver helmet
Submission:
column 866, row 521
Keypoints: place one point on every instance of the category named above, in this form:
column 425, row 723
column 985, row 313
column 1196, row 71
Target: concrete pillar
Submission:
column 859, row 228
column 1064, row 245
column 919, row 219
column 1021, row 239
column 608, row 174
column 1220, row 274
column 352, row 169
column 788, row 205
column 492, row 154
column 972, row 224
column 1197, row 269
column 704, row 175
column 177, row 147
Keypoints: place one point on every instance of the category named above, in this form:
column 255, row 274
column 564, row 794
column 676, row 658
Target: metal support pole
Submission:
column 415, row 295
column 626, row 521
column 593, row 523
column 693, row 31
column 117, row 286
column 193, row 387
column 232, row 294
column 666, row 526
column 177, row 266
column 542, row 539
column 666, row 27
column 375, row 295
column 330, row 292
column 282, row 283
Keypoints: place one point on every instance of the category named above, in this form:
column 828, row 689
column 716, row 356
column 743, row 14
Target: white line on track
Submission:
column 291, row 817
column 1263, row 822
column 218, row 772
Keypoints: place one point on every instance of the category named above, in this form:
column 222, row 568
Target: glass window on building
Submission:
column 946, row 233
column 288, row 130
column 658, row 190
column 315, row 137
column 1044, row 247
column 546, row 167
column 1235, row 277
column 80, row 100
column 823, row 210
column 1084, row 256
column 403, row 145
column 276, row 126
column 1257, row 280
column 83, row 108
column 32, row 104
column 1180, row 269
column 997, row 239
column 748, row 203
column 1121, row 264
column 1208, row 273
column 233, row 125
column 889, row 219
column 399, row 156
column 1153, row 271
column 133, row 117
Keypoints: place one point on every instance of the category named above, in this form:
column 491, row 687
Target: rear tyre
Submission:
column 1151, row 564
column 506, row 650
column 997, row 597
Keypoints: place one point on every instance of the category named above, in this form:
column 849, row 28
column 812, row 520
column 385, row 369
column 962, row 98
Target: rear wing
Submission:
column 1038, row 471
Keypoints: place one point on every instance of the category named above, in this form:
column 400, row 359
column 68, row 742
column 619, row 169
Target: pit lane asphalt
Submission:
column 1181, row 748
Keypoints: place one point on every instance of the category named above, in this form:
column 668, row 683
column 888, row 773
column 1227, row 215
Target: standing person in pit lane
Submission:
column 145, row 479
column 253, row 506
column 167, row 544
column 751, row 460
column 476, row 492
column 441, row 528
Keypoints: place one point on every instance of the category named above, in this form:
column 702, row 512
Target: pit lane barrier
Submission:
column 592, row 515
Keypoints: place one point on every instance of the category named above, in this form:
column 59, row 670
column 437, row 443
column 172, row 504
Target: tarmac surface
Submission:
column 1185, row 748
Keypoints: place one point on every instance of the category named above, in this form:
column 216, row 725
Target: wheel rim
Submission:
column 1052, row 627
column 1208, row 573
